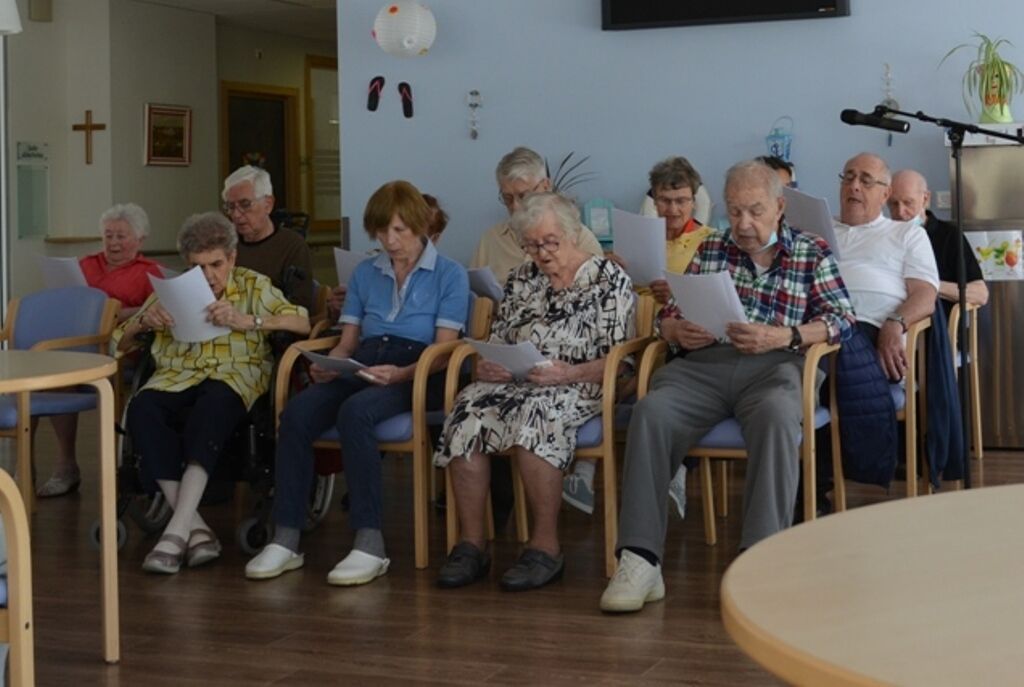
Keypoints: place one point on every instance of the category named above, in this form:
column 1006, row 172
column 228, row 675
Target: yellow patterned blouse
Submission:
column 241, row 359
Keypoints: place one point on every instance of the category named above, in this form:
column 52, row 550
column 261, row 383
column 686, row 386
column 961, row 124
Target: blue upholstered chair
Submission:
column 595, row 440
column 74, row 318
column 407, row 433
column 16, row 626
column 725, row 440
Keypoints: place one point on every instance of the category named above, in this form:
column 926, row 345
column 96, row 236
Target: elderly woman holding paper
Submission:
column 397, row 304
column 210, row 369
column 573, row 307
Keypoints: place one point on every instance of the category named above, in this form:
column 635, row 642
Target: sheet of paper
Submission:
column 59, row 272
column 168, row 272
column 518, row 359
column 709, row 300
column 185, row 298
column 811, row 215
column 640, row 242
column 482, row 282
column 345, row 262
column 336, row 364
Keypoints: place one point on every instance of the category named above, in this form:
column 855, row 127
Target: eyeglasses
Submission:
column 510, row 199
column 550, row 245
column 866, row 180
column 245, row 205
column 678, row 202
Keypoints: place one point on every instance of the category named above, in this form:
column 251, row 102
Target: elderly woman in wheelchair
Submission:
column 210, row 385
column 397, row 304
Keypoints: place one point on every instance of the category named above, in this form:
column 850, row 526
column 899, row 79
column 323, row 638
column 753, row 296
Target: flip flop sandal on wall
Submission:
column 405, row 90
column 373, row 96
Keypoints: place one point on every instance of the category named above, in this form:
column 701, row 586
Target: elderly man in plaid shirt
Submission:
column 789, row 285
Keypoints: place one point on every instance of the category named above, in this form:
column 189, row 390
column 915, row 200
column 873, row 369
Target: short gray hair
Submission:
column 131, row 213
column 521, row 163
column 205, row 232
column 259, row 178
column 754, row 173
column 536, row 205
column 673, row 173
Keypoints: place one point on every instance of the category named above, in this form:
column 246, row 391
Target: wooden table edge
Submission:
column 102, row 370
column 781, row 659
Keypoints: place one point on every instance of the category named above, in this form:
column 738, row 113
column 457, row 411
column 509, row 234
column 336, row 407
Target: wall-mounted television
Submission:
column 618, row 15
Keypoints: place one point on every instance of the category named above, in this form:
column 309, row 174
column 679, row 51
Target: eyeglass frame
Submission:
column 244, row 205
column 549, row 245
column 865, row 179
column 518, row 196
column 678, row 202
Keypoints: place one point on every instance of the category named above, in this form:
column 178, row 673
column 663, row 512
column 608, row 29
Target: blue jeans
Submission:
column 355, row 407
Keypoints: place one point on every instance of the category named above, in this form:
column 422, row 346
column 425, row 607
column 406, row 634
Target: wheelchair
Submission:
column 248, row 457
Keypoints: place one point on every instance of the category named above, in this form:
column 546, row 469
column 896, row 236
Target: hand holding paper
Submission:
column 518, row 359
column 185, row 299
column 709, row 300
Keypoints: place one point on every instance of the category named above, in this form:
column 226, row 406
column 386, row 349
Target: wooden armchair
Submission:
column 16, row 627
column 975, row 380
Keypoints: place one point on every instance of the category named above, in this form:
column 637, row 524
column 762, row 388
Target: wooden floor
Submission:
column 210, row 626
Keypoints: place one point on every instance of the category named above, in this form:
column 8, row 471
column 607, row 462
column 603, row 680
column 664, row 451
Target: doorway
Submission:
column 259, row 127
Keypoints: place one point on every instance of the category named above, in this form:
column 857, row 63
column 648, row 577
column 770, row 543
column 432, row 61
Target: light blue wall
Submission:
column 551, row 79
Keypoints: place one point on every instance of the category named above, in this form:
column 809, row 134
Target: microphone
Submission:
column 853, row 117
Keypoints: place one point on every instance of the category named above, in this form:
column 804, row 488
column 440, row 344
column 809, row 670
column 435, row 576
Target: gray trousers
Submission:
column 688, row 397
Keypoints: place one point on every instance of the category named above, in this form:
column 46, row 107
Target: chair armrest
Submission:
column 653, row 358
column 287, row 363
column 430, row 355
column 459, row 356
column 71, row 342
column 812, row 359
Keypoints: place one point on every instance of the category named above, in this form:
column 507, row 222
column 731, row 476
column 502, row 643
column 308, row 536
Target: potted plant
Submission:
column 991, row 78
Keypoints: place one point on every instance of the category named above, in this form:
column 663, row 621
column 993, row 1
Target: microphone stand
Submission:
column 955, row 133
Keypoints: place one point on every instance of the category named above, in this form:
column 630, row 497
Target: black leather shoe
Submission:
column 533, row 569
column 465, row 565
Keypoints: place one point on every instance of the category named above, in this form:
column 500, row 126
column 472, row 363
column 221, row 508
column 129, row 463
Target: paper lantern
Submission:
column 405, row 28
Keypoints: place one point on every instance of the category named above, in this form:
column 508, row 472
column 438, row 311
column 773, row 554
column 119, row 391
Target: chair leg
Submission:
column 451, row 516
column 722, row 500
column 707, row 500
column 838, row 479
column 611, row 512
column 522, row 523
column 420, row 505
column 23, row 449
column 979, row 449
column 911, row 449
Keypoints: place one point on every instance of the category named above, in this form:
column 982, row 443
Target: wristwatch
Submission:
column 796, row 341
column 257, row 322
column 896, row 317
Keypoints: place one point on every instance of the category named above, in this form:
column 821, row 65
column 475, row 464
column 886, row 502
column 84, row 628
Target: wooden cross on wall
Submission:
column 88, row 127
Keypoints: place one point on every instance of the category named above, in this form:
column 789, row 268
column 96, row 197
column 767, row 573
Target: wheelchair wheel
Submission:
column 253, row 535
column 320, row 501
column 150, row 512
column 122, row 535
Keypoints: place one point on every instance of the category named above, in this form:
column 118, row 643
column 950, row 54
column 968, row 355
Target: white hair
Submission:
column 131, row 213
column 536, row 205
column 521, row 163
column 259, row 178
column 754, row 173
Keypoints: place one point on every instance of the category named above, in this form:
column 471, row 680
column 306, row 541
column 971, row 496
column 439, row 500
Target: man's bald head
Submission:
column 910, row 196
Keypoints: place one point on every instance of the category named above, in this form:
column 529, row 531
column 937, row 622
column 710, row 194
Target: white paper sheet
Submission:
column 185, row 298
column 811, row 215
column 482, row 282
column 518, row 359
column 169, row 273
column 336, row 364
column 709, row 300
column 640, row 242
column 60, row 272
column 345, row 262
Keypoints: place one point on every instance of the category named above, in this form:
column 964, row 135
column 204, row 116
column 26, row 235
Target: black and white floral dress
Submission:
column 576, row 324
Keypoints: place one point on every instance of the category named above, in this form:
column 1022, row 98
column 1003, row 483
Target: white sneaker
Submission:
column 634, row 583
column 358, row 567
column 677, row 491
column 272, row 561
column 577, row 493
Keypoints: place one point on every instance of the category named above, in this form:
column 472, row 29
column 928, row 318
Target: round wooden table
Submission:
column 926, row 591
column 24, row 371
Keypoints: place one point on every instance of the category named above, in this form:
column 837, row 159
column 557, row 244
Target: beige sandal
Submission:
column 164, row 562
column 202, row 552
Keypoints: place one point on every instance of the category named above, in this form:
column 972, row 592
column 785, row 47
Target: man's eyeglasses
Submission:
column 549, row 245
column 669, row 202
column 510, row 199
column 866, row 180
column 244, row 205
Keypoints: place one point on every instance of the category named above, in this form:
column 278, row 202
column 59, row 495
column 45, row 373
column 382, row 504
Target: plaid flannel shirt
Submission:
column 802, row 285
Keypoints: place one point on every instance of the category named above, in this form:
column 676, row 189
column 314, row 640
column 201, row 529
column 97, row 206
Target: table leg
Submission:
column 108, row 523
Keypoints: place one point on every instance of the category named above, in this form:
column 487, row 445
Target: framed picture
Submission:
column 168, row 135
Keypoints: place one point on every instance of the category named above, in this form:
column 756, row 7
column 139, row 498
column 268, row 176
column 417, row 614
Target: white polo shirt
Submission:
column 876, row 259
